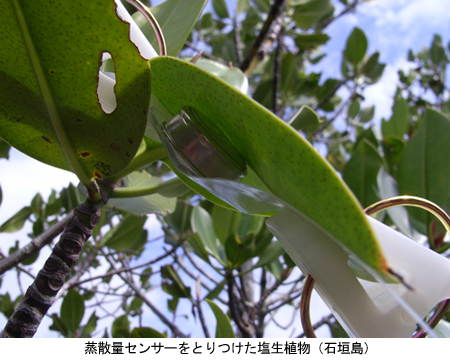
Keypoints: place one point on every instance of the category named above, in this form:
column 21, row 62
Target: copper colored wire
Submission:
column 379, row 206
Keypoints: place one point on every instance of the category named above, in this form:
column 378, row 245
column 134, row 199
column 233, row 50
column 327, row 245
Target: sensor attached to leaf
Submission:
column 195, row 150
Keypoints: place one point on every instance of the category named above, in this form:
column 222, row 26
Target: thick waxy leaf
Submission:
column 287, row 164
column 176, row 19
column 427, row 154
column 49, row 77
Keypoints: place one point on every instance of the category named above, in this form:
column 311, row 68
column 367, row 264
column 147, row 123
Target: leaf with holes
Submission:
column 49, row 74
column 287, row 164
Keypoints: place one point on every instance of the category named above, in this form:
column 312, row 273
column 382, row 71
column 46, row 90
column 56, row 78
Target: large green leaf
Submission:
column 287, row 164
column 424, row 169
column 176, row 19
column 49, row 107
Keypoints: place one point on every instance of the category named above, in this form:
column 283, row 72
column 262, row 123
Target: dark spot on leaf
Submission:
column 97, row 174
column 84, row 154
column 115, row 147
column 78, row 120
column 46, row 139
column 130, row 140
column 127, row 154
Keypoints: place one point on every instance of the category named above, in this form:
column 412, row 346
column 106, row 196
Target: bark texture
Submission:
column 27, row 317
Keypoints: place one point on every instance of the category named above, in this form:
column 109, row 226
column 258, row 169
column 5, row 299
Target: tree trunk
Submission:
column 38, row 298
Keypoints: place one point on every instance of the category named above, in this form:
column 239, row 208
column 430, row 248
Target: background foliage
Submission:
column 211, row 265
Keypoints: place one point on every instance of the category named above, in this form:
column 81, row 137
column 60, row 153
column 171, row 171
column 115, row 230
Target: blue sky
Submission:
column 392, row 27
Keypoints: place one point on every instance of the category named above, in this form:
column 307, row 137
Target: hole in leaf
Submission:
column 106, row 83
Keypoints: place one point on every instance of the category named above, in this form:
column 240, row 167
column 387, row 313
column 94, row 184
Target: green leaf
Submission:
column 424, row 169
column 121, row 327
column 202, row 224
column 176, row 288
column 146, row 332
column 273, row 252
column 48, row 85
column 225, row 222
column 4, row 149
column 220, row 8
column 16, row 222
column 398, row 123
column 239, row 250
column 306, row 119
column 367, row 114
column 285, row 162
column 216, row 291
column 231, row 75
column 308, row 41
column 437, row 51
column 90, row 326
column 176, row 19
column 372, row 69
column 126, row 235
column 223, row 327
column 72, row 310
column 59, row 325
column 360, row 173
column 143, row 205
column 308, row 13
column 356, row 47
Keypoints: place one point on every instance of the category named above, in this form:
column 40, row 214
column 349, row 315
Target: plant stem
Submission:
column 128, row 192
column 142, row 159
column 27, row 317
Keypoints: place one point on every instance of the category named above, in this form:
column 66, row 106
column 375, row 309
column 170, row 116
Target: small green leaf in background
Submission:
column 437, row 51
column 220, row 7
column 87, row 329
column 176, row 19
column 230, row 75
column 202, row 224
column 225, row 222
column 424, row 168
column 306, row 119
column 143, row 205
column 126, row 235
column 146, row 332
column 177, row 287
column 398, row 123
column 356, row 47
column 360, row 173
column 72, row 310
column 367, row 114
column 16, row 222
column 308, row 41
column 309, row 12
column 121, row 327
column 223, row 327
column 372, row 69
